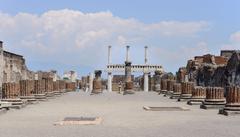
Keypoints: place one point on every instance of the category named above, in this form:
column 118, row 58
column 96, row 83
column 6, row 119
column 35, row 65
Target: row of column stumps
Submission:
column 23, row 88
column 206, row 97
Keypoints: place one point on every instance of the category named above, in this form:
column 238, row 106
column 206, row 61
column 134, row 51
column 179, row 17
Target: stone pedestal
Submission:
column 163, row 86
column 198, row 96
column 97, row 82
column 128, row 79
column 177, row 90
column 232, row 106
column 214, row 98
column 187, row 88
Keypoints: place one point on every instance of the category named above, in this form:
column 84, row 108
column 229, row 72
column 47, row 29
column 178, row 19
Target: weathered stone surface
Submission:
column 187, row 88
column 177, row 90
column 157, row 81
column 232, row 71
column 97, row 82
column 233, row 101
column 128, row 79
column 163, row 85
column 198, row 96
column 181, row 74
column 214, row 98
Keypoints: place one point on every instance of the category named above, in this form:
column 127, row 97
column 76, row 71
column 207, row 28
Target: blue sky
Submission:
column 170, row 28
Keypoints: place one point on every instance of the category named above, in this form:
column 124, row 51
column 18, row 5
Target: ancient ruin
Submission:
column 187, row 89
column 198, row 95
column 232, row 106
column 214, row 98
column 97, row 82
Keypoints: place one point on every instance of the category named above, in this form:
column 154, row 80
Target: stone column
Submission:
column 128, row 79
column 109, row 73
column 198, row 96
column 170, row 84
column 127, row 53
column 163, row 86
column 1, row 67
column 109, row 82
column 91, row 81
column 146, row 53
column 146, row 82
column 214, row 98
column 97, row 82
column 177, row 90
column 232, row 106
column 187, row 88
column 109, row 55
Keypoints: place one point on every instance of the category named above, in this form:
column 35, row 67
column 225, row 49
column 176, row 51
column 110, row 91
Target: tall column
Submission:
column 109, row 55
column 145, row 73
column 127, row 54
column 145, row 55
column 1, row 67
column 109, row 73
column 146, row 82
column 109, row 82
column 128, row 75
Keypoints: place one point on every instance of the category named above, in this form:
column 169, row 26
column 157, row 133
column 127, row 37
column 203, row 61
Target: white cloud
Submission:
column 72, row 37
column 235, row 37
column 234, row 42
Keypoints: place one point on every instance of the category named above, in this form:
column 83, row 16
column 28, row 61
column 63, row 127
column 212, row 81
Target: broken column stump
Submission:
column 97, row 82
column 187, row 88
column 27, row 90
column 177, row 90
column 11, row 92
column 163, row 86
column 170, row 84
column 232, row 106
column 198, row 96
column 214, row 98
column 39, row 91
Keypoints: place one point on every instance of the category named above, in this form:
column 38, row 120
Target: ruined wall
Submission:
column 13, row 67
column 210, row 70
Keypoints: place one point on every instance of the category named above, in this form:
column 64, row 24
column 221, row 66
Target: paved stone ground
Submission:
column 123, row 117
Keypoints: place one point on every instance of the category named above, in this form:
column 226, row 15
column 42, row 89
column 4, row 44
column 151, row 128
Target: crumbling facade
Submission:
column 13, row 67
column 210, row 70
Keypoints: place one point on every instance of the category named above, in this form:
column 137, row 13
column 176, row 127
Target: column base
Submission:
column 185, row 97
column 175, row 95
column 195, row 101
column 213, row 104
